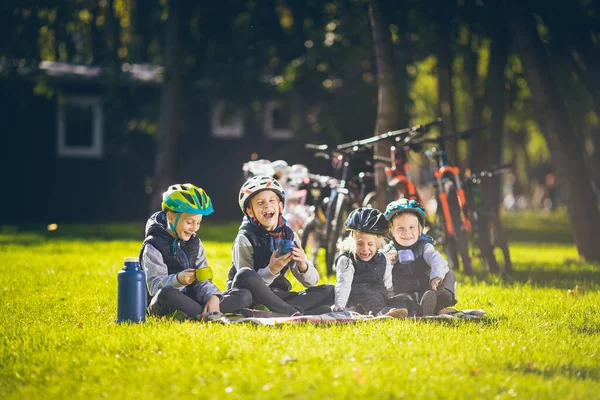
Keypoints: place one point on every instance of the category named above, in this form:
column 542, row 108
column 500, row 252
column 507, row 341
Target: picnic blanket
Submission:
column 350, row 317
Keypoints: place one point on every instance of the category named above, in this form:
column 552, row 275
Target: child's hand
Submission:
column 435, row 283
column 300, row 257
column 187, row 276
column 338, row 308
column 392, row 256
column 213, row 304
column 277, row 263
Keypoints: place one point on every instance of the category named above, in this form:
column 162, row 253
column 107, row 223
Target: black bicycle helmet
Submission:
column 368, row 220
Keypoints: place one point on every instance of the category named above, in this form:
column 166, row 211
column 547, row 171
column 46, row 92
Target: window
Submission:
column 80, row 127
column 277, row 121
column 226, row 124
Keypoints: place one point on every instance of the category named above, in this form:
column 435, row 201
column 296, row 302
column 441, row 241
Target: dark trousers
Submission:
column 169, row 299
column 368, row 298
column 281, row 301
column 446, row 294
column 420, row 286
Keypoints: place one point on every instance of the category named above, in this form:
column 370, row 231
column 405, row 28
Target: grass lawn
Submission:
column 59, row 339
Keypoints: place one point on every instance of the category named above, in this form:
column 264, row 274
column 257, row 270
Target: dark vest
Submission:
column 371, row 271
column 368, row 278
column 260, row 240
column 415, row 274
column 186, row 252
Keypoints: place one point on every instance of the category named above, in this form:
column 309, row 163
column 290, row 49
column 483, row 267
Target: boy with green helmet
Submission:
column 421, row 275
column 178, row 277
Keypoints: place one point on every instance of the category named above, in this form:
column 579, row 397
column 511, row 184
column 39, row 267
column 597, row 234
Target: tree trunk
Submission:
column 495, row 99
column 445, row 98
column 478, row 145
column 387, row 99
column 565, row 146
column 168, row 125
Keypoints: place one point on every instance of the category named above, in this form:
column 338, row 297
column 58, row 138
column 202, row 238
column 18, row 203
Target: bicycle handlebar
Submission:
column 465, row 135
column 316, row 147
column 488, row 173
column 417, row 129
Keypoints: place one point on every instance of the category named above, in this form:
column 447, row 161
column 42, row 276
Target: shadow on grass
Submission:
column 565, row 276
column 545, row 227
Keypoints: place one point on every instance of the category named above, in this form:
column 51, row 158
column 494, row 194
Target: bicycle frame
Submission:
column 398, row 176
column 447, row 171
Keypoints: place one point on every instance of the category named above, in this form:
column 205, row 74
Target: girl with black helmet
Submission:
column 423, row 277
column 364, row 278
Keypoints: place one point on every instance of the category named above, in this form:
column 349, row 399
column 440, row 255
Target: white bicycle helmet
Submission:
column 281, row 169
column 258, row 184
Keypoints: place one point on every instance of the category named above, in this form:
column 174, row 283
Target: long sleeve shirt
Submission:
column 243, row 256
column 439, row 266
column 157, row 275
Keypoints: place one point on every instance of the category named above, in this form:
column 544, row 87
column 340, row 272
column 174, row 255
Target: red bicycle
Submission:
column 451, row 198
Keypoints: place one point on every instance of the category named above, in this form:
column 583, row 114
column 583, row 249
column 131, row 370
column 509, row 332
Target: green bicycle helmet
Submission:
column 405, row 205
column 187, row 198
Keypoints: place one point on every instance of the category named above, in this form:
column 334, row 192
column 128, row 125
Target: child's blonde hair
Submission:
column 349, row 243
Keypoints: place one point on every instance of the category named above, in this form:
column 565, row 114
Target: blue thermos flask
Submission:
column 131, row 299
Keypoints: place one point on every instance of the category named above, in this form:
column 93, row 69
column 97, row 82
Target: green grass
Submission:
column 58, row 338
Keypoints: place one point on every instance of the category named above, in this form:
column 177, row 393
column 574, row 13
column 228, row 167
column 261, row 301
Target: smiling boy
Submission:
column 427, row 277
column 172, row 253
column 257, row 265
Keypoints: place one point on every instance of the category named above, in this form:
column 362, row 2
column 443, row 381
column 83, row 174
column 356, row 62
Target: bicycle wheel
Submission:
column 337, row 233
column 445, row 238
column 312, row 239
column 370, row 199
column 484, row 241
column 499, row 244
column 460, row 236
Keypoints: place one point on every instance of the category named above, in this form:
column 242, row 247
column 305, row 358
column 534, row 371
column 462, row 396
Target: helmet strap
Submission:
column 173, row 226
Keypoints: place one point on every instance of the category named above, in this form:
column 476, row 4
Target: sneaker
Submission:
column 428, row 302
column 444, row 299
column 214, row 316
column 397, row 313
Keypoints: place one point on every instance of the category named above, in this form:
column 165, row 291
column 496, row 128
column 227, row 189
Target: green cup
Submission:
column 204, row 274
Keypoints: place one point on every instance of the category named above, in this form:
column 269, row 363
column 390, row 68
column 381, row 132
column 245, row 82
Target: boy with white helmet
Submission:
column 178, row 277
column 259, row 262
column 423, row 275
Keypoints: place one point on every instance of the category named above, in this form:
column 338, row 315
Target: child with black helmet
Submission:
column 419, row 273
column 363, row 275
column 178, row 277
column 266, row 248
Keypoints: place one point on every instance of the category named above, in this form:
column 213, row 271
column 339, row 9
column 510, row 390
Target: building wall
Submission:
column 40, row 187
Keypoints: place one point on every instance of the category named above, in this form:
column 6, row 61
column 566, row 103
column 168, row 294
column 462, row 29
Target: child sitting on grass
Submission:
column 363, row 277
column 258, row 265
column 424, row 276
column 172, row 253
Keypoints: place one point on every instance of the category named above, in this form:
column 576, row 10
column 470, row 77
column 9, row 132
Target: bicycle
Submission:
column 489, row 234
column 450, row 197
column 399, row 182
column 347, row 189
column 314, row 228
